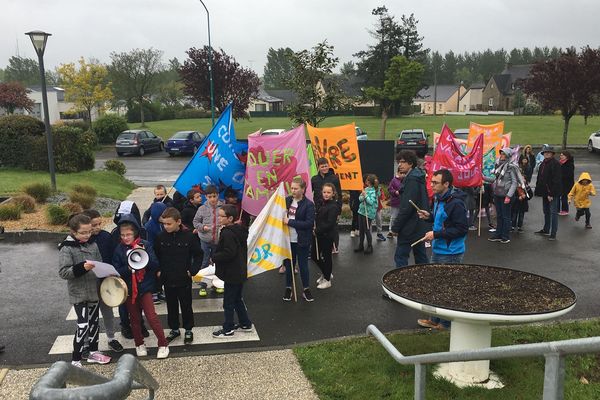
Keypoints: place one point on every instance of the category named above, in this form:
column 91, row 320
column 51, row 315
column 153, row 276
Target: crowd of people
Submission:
column 185, row 234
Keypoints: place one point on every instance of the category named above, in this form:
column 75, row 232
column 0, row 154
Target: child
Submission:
column 160, row 196
column 190, row 208
column 104, row 241
column 179, row 255
column 232, row 197
column 367, row 210
column 580, row 193
column 75, row 251
column 395, row 190
column 378, row 222
column 207, row 224
column 140, row 284
column 153, row 228
column 326, row 227
column 230, row 261
column 521, row 199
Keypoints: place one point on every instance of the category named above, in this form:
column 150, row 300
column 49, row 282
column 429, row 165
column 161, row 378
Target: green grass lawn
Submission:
column 361, row 369
column 107, row 183
column 526, row 129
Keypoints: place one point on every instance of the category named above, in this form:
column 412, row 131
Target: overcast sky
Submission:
column 246, row 29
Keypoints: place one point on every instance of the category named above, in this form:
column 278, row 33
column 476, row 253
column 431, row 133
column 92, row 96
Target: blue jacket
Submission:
column 106, row 245
column 450, row 224
column 119, row 261
column 153, row 226
column 305, row 220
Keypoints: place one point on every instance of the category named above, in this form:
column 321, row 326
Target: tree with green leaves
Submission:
column 13, row 95
column 317, row 92
column 402, row 83
column 134, row 75
column 86, row 86
column 23, row 70
column 278, row 70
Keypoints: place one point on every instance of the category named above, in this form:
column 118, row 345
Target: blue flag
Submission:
column 219, row 161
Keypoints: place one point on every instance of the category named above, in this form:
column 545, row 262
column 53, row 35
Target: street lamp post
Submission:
column 39, row 38
column 458, row 100
column 210, row 75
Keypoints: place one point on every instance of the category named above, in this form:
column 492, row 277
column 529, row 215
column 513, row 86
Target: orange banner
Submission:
column 492, row 135
column 339, row 146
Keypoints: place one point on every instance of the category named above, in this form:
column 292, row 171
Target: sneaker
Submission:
column 141, row 350
column 189, row 337
column 320, row 279
column 126, row 332
column 588, row 226
column 115, row 345
column 369, row 249
column 85, row 353
column 282, row 269
column 307, row 295
column 173, row 335
column 161, row 296
column 155, row 298
column 426, row 323
column 520, row 230
column 359, row 249
column 492, row 230
column 163, row 352
column 542, row 232
column 504, row 241
column 335, row 250
column 380, row 237
column 494, row 239
column 296, row 270
column 563, row 213
column 243, row 328
column 98, row 358
column 390, row 234
column 552, row 238
column 512, row 228
column 324, row 284
column 577, row 217
column 287, row 296
column 352, row 234
column 145, row 332
column 222, row 334
column 77, row 364
column 219, row 290
column 202, row 292
column 472, row 228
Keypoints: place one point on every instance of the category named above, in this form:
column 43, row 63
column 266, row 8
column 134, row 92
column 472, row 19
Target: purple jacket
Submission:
column 395, row 186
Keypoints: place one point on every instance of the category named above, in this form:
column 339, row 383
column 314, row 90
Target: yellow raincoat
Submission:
column 581, row 193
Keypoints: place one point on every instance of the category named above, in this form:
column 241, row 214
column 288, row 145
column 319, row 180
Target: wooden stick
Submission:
column 414, row 205
column 294, row 282
column 480, row 203
column 417, row 242
column 317, row 248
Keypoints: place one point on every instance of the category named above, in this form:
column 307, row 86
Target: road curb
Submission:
column 32, row 236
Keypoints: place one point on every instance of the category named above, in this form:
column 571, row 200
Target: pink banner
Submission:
column 273, row 159
column 466, row 169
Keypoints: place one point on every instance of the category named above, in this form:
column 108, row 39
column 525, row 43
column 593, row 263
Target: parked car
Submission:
column 360, row 134
column 594, row 142
column 138, row 141
column 462, row 133
column 184, row 142
column 272, row 132
column 412, row 139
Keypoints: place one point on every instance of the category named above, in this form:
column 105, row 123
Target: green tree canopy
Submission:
column 278, row 70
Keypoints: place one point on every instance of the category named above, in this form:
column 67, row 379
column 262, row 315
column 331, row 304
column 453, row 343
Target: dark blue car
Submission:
column 184, row 142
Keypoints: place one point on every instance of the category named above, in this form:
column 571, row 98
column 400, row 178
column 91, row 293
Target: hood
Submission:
column 415, row 174
column 329, row 172
column 127, row 207
column 455, row 193
column 584, row 175
column 156, row 210
column 129, row 218
column 238, row 229
column 69, row 242
column 508, row 151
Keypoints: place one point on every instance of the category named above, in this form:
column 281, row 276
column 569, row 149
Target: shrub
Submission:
column 84, row 199
column 72, row 151
column 87, row 189
column 90, row 138
column 151, row 112
column 108, row 127
column 10, row 211
column 115, row 166
column 26, row 202
column 83, row 125
column 72, row 208
column 57, row 215
column 21, row 138
column 532, row 109
column 192, row 113
column 39, row 191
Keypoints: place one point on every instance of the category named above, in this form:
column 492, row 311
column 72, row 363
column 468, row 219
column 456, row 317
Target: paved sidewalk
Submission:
column 257, row 375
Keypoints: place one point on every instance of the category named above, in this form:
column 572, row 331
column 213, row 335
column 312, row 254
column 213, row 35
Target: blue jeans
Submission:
column 233, row 302
column 503, row 218
column 299, row 257
column 445, row 259
column 550, row 215
column 403, row 252
column 207, row 248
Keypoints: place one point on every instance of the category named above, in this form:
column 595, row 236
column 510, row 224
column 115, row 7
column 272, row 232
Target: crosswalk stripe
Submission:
column 202, row 335
column 198, row 306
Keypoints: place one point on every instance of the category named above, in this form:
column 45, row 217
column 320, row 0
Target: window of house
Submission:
column 440, row 106
column 491, row 102
column 260, row 107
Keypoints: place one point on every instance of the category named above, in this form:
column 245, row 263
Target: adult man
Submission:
column 326, row 175
column 407, row 224
column 548, row 186
column 450, row 227
column 160, row 194
column 504, row 186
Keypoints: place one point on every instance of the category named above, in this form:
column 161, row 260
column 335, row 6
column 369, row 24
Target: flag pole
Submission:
column 480, row 201
column 292, row 266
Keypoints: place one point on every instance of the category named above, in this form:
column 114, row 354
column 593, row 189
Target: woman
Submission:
column 528, row 152
column 325, row 232
column 567, row 173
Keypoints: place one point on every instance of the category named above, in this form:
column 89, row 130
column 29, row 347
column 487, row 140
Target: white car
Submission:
column 272, row 132
column 594, row 142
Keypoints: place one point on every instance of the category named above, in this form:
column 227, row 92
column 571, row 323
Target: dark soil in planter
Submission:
column 479, row 289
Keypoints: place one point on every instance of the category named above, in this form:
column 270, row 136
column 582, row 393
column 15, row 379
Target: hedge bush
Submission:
column 21, row 137
column 57, row 215
column 72, row 208
column 87, row 189
column 72, row 150
column 10, row 211
column 108, row 127
column 115, row 166
column 192, row 113
column 84, row 199
column 39, row 191
column 26, row 202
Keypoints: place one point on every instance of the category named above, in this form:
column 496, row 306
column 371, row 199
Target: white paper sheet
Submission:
column 102, row 270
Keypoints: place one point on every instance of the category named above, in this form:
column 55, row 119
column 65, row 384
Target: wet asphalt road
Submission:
column 35, row 304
